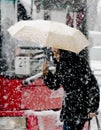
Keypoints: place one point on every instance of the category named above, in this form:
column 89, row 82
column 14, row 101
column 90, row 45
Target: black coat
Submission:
column 81, row 91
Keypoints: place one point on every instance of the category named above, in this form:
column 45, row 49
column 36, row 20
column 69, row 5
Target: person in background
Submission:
column 81, row 91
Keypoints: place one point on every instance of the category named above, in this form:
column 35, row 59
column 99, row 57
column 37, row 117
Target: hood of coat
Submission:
column 68, row 56
column 71, row 58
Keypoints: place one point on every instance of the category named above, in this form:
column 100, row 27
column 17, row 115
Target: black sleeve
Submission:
column 91, row 87
column 93, row 94
column 52, row 81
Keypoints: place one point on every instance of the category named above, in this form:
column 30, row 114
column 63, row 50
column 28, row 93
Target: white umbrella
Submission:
column 49, row 33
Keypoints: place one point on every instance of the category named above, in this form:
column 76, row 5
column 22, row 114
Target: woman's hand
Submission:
column 45, row 68
column 91, row 115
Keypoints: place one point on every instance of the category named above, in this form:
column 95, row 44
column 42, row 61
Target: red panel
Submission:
column 39, row 97
column 11, row 94
column 11, row 113
column 1, row 91
column 32, row 122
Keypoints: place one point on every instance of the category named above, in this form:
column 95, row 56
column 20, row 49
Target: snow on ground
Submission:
column 47, row 120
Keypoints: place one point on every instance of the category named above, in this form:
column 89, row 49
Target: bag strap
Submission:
column 97, row 122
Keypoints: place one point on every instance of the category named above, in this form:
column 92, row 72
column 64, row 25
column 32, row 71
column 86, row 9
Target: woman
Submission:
column 81, row 91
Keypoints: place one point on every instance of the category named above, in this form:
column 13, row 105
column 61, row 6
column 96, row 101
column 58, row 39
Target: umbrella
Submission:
column 50, row 34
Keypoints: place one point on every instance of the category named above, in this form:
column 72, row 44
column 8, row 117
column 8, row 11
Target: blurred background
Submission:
column 20, row 60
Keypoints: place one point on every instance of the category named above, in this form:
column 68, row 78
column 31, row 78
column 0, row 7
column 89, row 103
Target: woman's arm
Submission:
column 93, row 94
column 51, row 80
column 91, row 88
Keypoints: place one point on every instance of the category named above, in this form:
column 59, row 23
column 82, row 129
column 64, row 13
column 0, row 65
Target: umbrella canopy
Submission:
column 50, row 34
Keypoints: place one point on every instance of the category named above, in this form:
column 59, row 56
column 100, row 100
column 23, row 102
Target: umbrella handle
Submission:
column 33, row 78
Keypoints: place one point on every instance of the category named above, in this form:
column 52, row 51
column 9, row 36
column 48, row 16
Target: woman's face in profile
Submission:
column 56, row 53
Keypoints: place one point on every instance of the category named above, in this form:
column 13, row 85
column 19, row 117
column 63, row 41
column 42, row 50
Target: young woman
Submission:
column 81, row 91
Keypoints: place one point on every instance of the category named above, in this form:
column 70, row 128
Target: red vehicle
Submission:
column 26, row 102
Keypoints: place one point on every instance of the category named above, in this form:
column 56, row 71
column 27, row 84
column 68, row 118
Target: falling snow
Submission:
column 35, row 95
